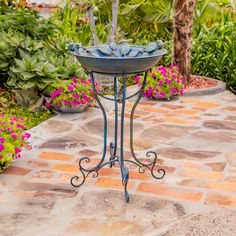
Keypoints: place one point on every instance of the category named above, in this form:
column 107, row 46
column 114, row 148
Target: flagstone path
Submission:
column 195, row 138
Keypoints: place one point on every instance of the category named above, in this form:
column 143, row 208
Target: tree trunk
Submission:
column 115, row 4
column 183, row 22
column 95, row 40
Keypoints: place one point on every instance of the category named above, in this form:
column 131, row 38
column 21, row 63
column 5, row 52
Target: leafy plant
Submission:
column 31, row 71
column 214, row 53
column 27, row 22
column 145, row 21
column 70, row 93
column 163, row 83
column 12, row 139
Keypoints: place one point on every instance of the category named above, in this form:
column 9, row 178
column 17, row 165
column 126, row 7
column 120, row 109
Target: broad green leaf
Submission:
column 11, row 82
column 20, row 64
column 29, row 84
column 27, row 75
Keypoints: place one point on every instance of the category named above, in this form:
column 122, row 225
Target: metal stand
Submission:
column 120, row 159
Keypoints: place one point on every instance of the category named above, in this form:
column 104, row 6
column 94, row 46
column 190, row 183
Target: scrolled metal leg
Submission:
column 86, row 171
column 150, row 166
column 124, row 169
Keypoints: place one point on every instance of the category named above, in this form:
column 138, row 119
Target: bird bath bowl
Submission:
column 118, row 59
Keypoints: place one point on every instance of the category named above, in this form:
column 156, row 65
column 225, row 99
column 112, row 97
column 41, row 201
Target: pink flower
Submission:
column 47, row 105
column 75, row 103
column 87, row 99
column 162, row 94
column 56, row 105
column 0, row 157
column 145, row 94
column 82, row 81
column 66, row 102
column 168, row 81
column 183, row 79
column 70, row 88
column 161, row 68
column 75, row 95
column 18, row 155
column 14, row 136
column 1, row 147
column 181, row 91
column 150, row 89
column 153, row 75
column 174, row 76
column 2, row 140
column 14, row 118
column 55, row 94
column 17, row 150
column 27, row 135
column 160, row 83
column 137, row 79
column 20, row 126
column 74, row 79
column 74, row 84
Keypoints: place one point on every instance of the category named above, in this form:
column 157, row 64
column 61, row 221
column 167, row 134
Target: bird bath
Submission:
column 119, row 61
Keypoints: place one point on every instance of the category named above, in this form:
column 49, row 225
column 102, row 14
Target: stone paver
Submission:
column 196, row 142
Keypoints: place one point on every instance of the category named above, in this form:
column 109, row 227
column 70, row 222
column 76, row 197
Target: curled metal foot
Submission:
column 76, row 181
column 152, row 166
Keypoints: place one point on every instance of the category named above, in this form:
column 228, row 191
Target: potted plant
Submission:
column 12, row 139
column 71, row 95
column 163, row 83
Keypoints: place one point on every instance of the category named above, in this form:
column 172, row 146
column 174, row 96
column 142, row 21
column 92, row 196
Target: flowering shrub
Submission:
column 163, row 83
column 71, row 93
column 12, row 139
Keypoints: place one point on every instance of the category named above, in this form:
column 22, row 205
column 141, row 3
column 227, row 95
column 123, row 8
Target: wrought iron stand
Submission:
column 114, row 157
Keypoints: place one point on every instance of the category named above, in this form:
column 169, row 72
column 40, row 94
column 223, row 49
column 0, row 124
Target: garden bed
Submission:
column 201, row 85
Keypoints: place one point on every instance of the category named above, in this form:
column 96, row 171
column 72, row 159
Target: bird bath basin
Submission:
column 118, row 59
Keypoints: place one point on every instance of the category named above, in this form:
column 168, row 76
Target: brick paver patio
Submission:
column 195, row 138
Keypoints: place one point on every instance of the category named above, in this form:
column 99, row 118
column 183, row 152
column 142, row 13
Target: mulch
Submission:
column 196, row 82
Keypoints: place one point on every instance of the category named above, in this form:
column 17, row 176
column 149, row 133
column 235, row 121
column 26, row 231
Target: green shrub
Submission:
column 31, row 54
column 27, row 22
column 214, row 53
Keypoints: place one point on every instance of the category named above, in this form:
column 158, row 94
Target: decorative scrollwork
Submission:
column 76, row 178
column 141, row 169
column 161, row 171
